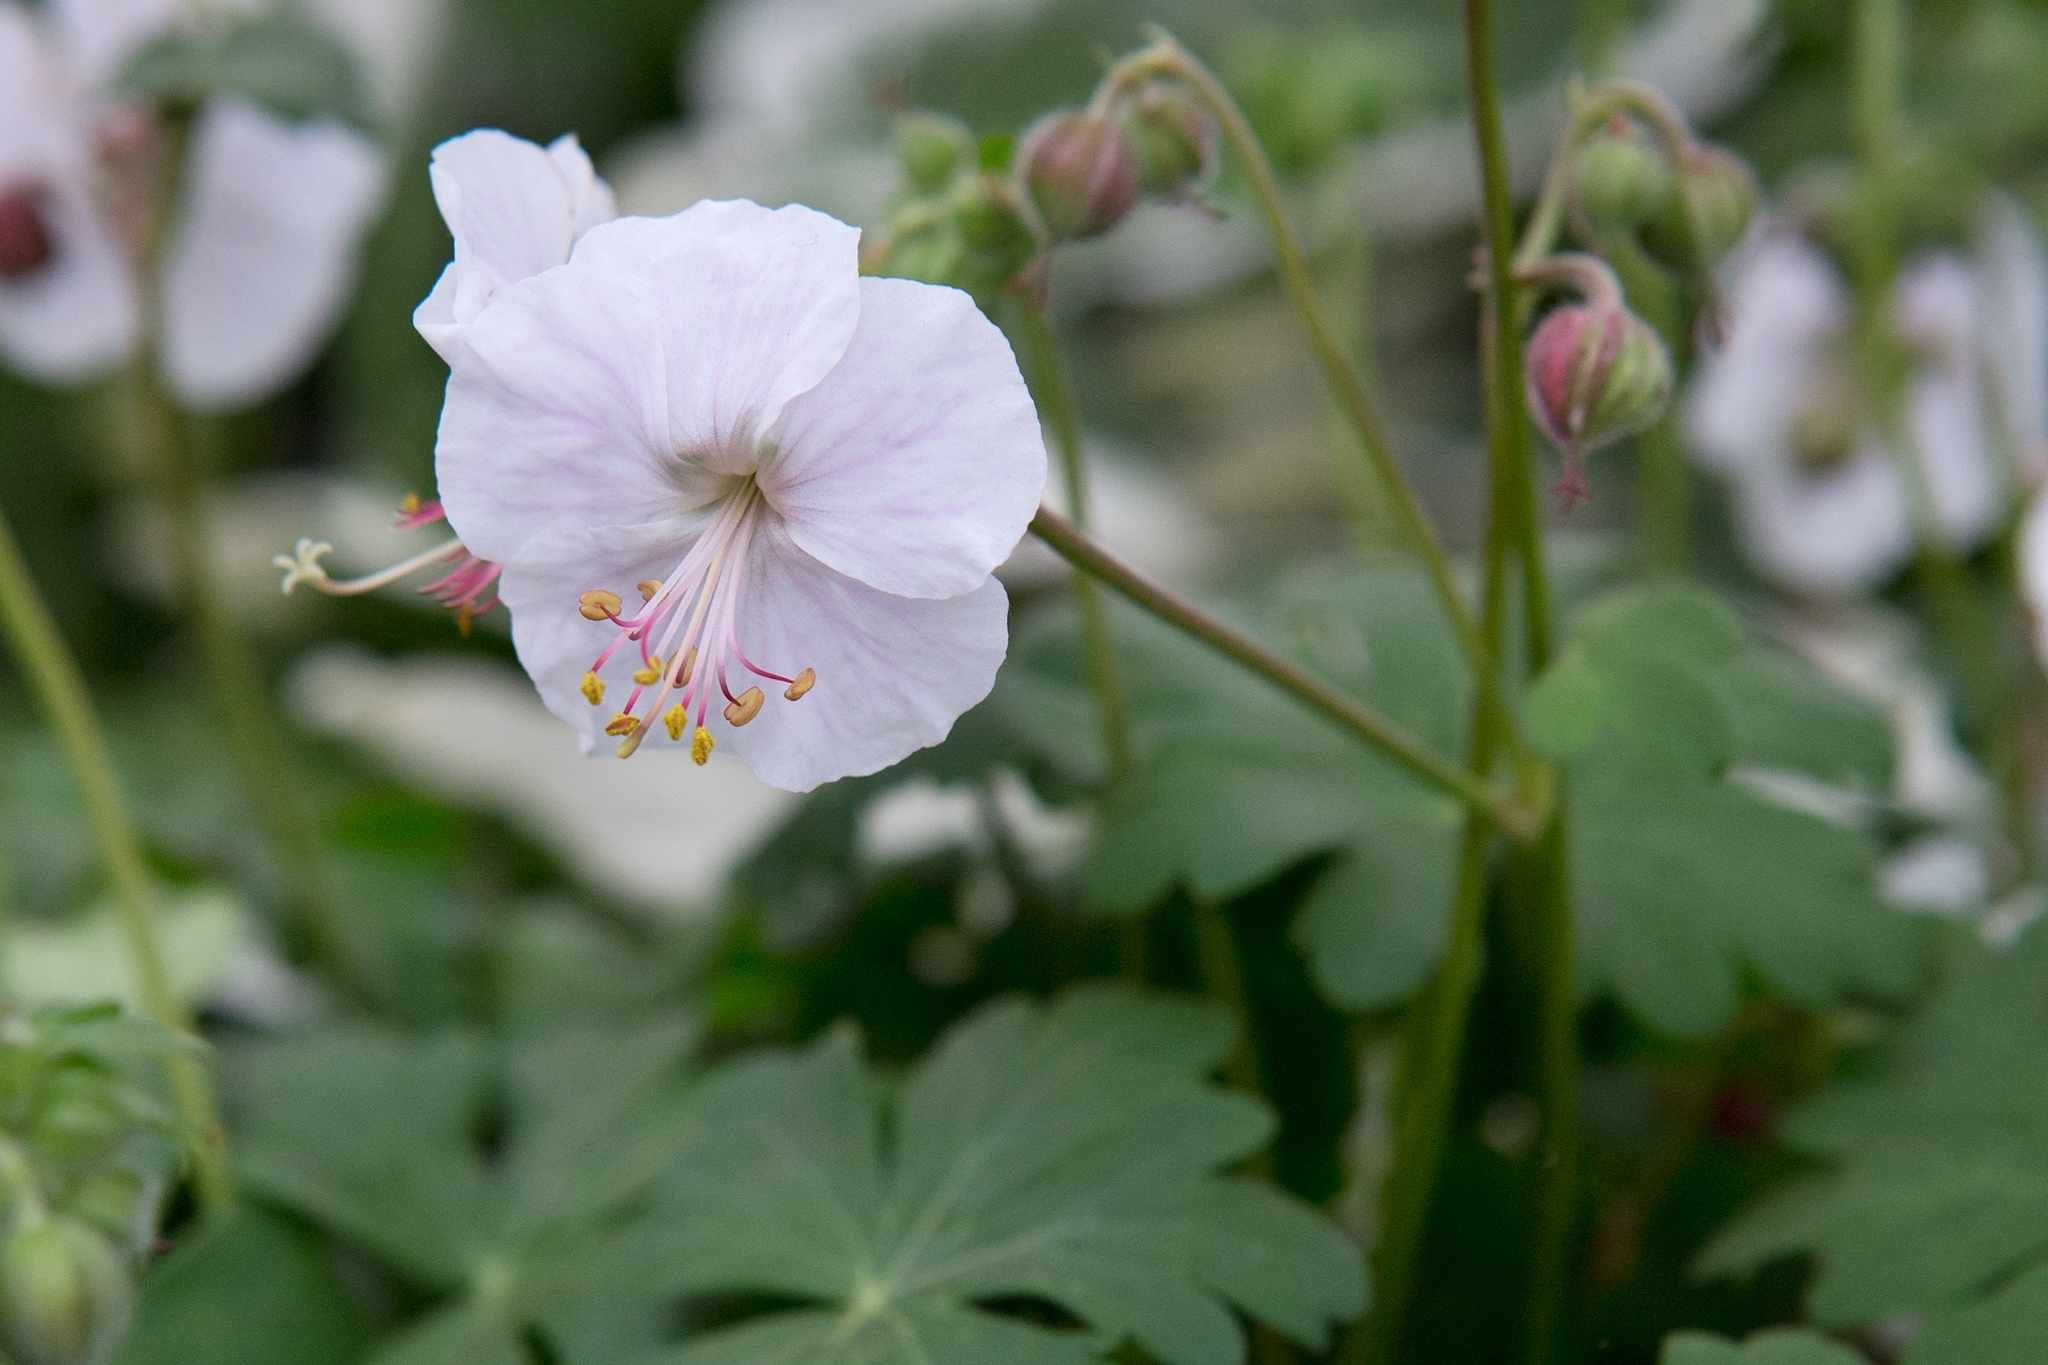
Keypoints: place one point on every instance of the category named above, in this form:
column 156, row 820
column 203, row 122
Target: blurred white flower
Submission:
column 1822, row 503
column 270, row 215
column 716, row 413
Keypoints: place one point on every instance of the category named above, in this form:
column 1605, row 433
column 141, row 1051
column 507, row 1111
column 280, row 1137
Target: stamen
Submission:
column 701, row 745
column 598, row 604
column 744, row 709
column 648, row 587
column 677, row 719
column 651, row 674
column 801, row 684
column 624, row 723
column 687, row 666
column 593, row 689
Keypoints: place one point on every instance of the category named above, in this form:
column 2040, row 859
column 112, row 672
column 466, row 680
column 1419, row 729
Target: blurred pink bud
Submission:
column 1080, row 172
column 25, row 242
column 1595, row 373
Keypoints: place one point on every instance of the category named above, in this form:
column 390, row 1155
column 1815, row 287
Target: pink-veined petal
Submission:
column 266, row 250
column 757, row 305
column 556, row 645
column 77, row 317
column 915, row 465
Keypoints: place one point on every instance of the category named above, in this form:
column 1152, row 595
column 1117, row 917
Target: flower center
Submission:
column 25, row 242
column 687, row 639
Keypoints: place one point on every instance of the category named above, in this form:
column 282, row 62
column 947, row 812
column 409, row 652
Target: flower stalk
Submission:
column 1513, row 815
column 55, row 677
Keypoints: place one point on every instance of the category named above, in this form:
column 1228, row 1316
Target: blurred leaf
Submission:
column 88, row 957
column 1765, row 1348
column 1683, row 878
column 1063, row 1153
column 473, row 1334
column 252, row 1290
column 276, row 59
column 1938, row 1197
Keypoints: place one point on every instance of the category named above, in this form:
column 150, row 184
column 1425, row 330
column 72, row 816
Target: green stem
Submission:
column 1167, row 57
column 1223, row 975
column 56, row 679
column 1367, row 725
column 1665, row 482
column 1542, row 872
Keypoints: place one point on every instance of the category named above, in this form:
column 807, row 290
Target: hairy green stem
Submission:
column 55, row 676
column 1361, row 721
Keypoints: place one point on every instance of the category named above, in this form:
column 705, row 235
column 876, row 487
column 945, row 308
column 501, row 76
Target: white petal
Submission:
column 1964, row 475
column 757, row 306
column 1842, row 531
column 1785, row 306
column 557, row 645
column 894, row 673
column 77, row 317
column 35, row 110
column 266, row 250
column 100, row 36
column 2013, row 283
column 915, row 464
column 514, row 209
column 554, row 437
column 2033, row 571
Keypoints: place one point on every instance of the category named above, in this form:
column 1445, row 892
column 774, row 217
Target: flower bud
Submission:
column 80, row 1115
column 932, row 150
column 979, row 240
column 1174, row 137
column 1595, row 373
column 1620, row 179
column 66, row 1295
column 1714, row 198
column 25, row 242
column 118, row 1202
column 1080, row 172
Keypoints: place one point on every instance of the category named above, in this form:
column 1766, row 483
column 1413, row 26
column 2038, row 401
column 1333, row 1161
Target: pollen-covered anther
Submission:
column 650, row 673
column 701, row 745
column 677, row 720
column 599, row 604
column 592, row 688
column 686, row 666
column 409, row 505
column 746, row 707
column 801, row 684
column 622, row 724
column 648, row 587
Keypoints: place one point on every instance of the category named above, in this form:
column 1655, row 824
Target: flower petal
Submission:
column 915, row 465
column 1830, row 533
column 2012, row 269
column 266, row 250
column 757, row 306
column 556, row 645
column 2033, row 571
column 554, row 438
column 77, row 317
column 893, row 673
column 514, row 209
column 100, row 36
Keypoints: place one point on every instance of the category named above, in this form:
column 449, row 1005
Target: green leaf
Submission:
column 276, row 59
column 1064, row 1153
column 88, row 957
column 287, row 1302
column 1684, row 878
column 472, row 1334
column 1937, row 1200
column 1765, row 1348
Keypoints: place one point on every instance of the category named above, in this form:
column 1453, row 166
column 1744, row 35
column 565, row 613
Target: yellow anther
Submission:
column 464, row 618
column 746, row 708
column 598, row 604
column 677, row 720
column 650, row 674
column 805, row 681
column 593, row 689
column 409, row 505
column 621, row 724
column 687, row 666
column 701, row 745
column 648, row 587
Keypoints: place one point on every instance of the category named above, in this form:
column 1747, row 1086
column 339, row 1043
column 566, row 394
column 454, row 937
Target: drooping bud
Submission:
column 1621, row 179
column 1714, row 199
column 1595, row 374
column 1080, row 172
column 25, row 242
column 978, row 239
column 932, row 149
column 66, row 1294
column 1173, row 136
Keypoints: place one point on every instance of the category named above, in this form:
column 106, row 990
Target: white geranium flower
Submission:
column 1821, row 502
column 263, row 248
column 795, row 475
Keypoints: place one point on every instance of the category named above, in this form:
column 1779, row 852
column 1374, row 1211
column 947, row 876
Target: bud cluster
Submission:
column 1688, row 202
column 86, row 1149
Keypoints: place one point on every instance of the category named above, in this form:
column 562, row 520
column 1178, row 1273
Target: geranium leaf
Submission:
column 1765, row 1348
column 280, row 60
column 1065, row 1154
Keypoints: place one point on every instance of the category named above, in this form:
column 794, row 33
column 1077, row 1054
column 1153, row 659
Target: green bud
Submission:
column 80, row 1115
column 1080, row 172
column 1174, row 137
column 66, row 1295
column 933, row 149
column 111, row 1200
column 1714, row 200
column 1595, row 373
column 1621, row 180
column 979, row 240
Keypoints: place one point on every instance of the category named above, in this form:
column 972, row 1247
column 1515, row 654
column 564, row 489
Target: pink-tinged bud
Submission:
column 25, row 242
column 1713, row 202
column 1595, row 374
column 1621, row 179
column 1080, row 172
column 1174, row 137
